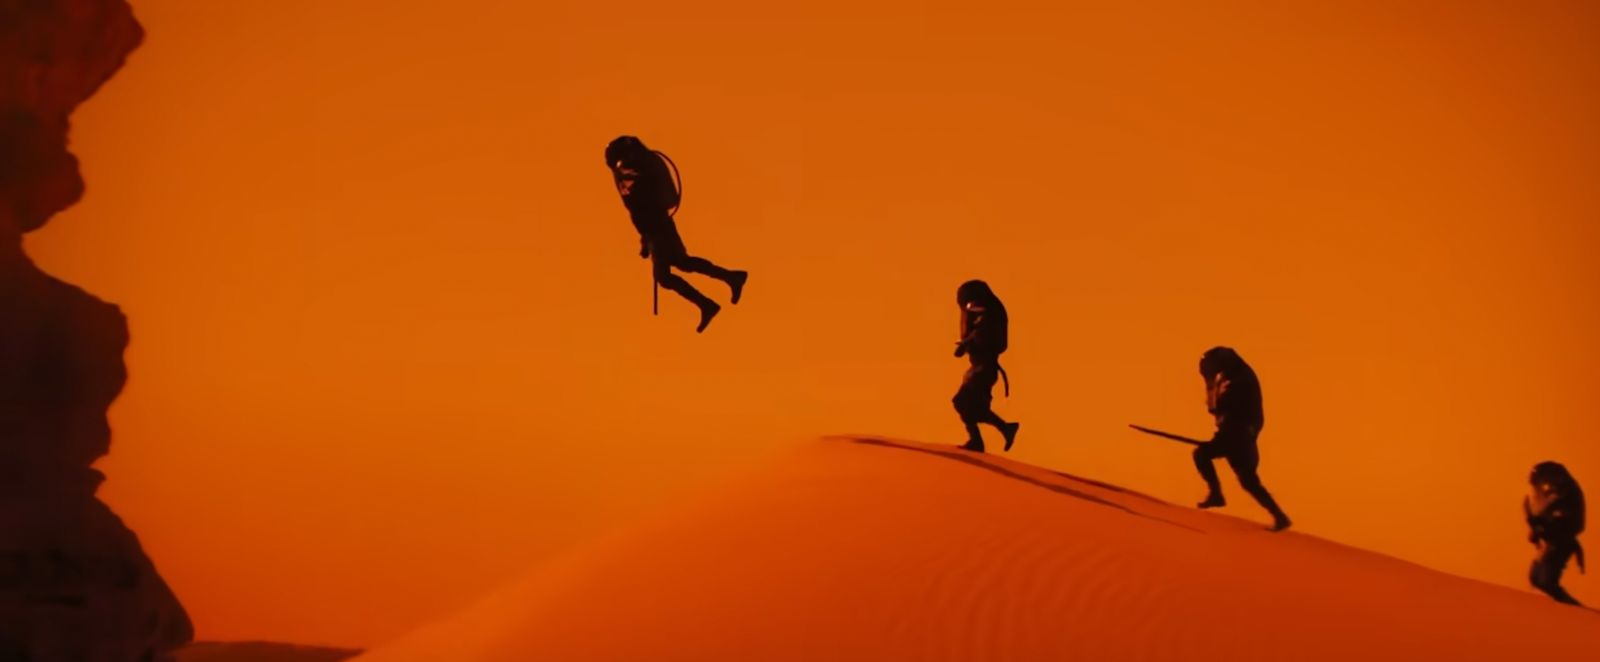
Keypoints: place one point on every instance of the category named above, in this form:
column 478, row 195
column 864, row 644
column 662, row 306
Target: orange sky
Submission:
column 392, row 345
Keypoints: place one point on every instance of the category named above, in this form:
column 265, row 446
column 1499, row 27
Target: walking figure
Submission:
column 652, row 196
column 984, row 328
column 1233, row 396
column 1555, row 518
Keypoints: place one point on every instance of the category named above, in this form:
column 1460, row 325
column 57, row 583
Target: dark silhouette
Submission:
column 1555, row 518
column 652, row 196
column 984, row 331
column 74, row 582
column 1233, row 396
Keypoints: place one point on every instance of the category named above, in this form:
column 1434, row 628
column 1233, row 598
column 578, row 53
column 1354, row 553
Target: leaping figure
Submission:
column 652, row 195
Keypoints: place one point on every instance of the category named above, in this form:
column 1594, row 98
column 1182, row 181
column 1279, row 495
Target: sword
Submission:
column 1169, row 435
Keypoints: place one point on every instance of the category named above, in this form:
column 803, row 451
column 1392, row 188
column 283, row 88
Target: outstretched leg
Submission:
column 700, row 265
column 1545, row 574
column 1245, row 462
column 663, row 272
column 1203, row 457
column 972, row 403
column 734, row 278
column 1007, row 430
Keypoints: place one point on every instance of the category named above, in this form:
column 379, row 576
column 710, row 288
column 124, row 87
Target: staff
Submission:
column 1168, row 435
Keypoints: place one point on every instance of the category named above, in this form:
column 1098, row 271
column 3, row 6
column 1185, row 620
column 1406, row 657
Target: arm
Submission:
column 964, row 343
column 971, row 328
column 1554, row 519
column 1560, row 518
column 1534, row 529
column 625, row 179
column 1216, row 403
column 644, row 235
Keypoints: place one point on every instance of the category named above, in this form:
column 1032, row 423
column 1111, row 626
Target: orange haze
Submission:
column 392, row 345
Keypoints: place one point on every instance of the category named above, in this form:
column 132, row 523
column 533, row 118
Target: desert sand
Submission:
column 876, row 549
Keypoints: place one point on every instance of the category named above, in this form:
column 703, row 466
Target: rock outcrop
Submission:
column 74, row 582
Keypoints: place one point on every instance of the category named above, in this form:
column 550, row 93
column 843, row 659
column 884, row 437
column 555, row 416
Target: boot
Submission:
column 708, row 310
column 1009, row 431
column 736, row 283
column 1280, row 522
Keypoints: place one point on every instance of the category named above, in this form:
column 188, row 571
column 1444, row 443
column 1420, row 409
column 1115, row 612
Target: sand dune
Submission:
column 869, row 549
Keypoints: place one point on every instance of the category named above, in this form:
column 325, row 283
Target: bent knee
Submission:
column 969, row 408
column 962, row 406
column 1539, row 577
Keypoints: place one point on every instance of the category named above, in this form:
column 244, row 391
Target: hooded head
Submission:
column 1551, row 476
column 622, row 148
column 975, row 291
column 1218, row 360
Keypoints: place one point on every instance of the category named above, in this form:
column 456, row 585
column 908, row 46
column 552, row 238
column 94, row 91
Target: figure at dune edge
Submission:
column 984, row 332
column 1554, row 511
column 1233, row 397
column 652, row 196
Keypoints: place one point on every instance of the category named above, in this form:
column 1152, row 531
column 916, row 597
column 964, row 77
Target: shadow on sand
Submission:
column 1111, row 488
column 968, row 458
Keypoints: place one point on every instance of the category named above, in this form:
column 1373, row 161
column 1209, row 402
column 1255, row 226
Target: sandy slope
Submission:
column 887, row 550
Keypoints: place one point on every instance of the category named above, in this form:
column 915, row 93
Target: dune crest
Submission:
column 876, row 549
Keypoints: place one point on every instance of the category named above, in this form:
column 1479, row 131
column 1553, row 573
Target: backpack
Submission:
column 674, row 196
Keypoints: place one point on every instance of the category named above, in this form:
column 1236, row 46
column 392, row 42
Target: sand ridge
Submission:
column 865, row 548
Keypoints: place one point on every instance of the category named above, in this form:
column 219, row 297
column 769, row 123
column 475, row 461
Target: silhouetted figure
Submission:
column 1555, row 518
column 652, row 196
column 1233, row 396
column 984, row 330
